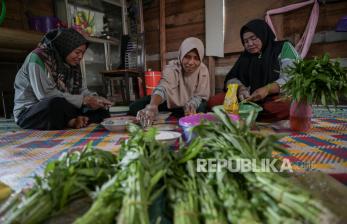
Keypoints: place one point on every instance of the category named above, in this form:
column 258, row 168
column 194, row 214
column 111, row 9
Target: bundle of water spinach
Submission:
column 145, row 169
column 127, row 196
column 246, row 197
column 74, row 175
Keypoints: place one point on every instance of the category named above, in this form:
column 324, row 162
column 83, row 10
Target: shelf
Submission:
column 24, row 40
column 114, row 2
column 19, row 39
column 97, row 6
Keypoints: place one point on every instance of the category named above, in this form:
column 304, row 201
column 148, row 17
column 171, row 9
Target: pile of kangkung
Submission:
column 147, row 182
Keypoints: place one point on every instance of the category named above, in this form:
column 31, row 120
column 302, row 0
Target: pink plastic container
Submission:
column 188, row 122
column 43, row 23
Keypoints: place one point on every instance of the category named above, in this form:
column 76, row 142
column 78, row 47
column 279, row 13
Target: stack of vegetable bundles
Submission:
column 149, row 183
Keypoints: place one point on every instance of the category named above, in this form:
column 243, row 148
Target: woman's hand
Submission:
column 189, row 109
column 147, row 115
column 106, row 104
column 243, row 93
column 259, row 94
column 96, row 102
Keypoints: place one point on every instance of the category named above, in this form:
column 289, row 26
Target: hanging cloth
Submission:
column 305, row 42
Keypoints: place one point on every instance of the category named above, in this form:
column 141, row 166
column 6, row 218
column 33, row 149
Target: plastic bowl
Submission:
column 163, row 115
column 188, row 122
column 165, row 127
column 118, row 124
column 131, row 119
column 168, row 137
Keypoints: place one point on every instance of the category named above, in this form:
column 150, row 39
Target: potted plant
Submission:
column 313, row 81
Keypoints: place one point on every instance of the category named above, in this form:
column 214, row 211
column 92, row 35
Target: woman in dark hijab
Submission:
column 259, row 71
column 50, row 93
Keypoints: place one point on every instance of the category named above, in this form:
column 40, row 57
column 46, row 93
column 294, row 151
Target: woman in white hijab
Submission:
column 183, row 89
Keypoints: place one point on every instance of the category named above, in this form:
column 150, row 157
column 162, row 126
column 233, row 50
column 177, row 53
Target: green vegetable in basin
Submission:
column 245, row 109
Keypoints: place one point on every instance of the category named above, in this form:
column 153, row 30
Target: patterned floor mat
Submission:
column 24, row 153
column 322, row 148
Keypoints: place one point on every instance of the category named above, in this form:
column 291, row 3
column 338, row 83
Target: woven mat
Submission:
column 323, row 148
column 330, row 111
column 25, row 153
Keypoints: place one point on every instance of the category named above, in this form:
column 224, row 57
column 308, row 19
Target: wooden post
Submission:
column 162, row 34
column 124, row 17
column 212, row 70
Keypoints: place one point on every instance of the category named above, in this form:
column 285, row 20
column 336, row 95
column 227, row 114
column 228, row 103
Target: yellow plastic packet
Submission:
column 231, row 104
column 5, row 191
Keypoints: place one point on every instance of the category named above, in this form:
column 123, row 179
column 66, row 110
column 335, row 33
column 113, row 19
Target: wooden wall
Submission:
column 184, row 18
column 329, row 14
column 239, row 12
column 16, row 9
column 11, row 59
column 16, row 19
